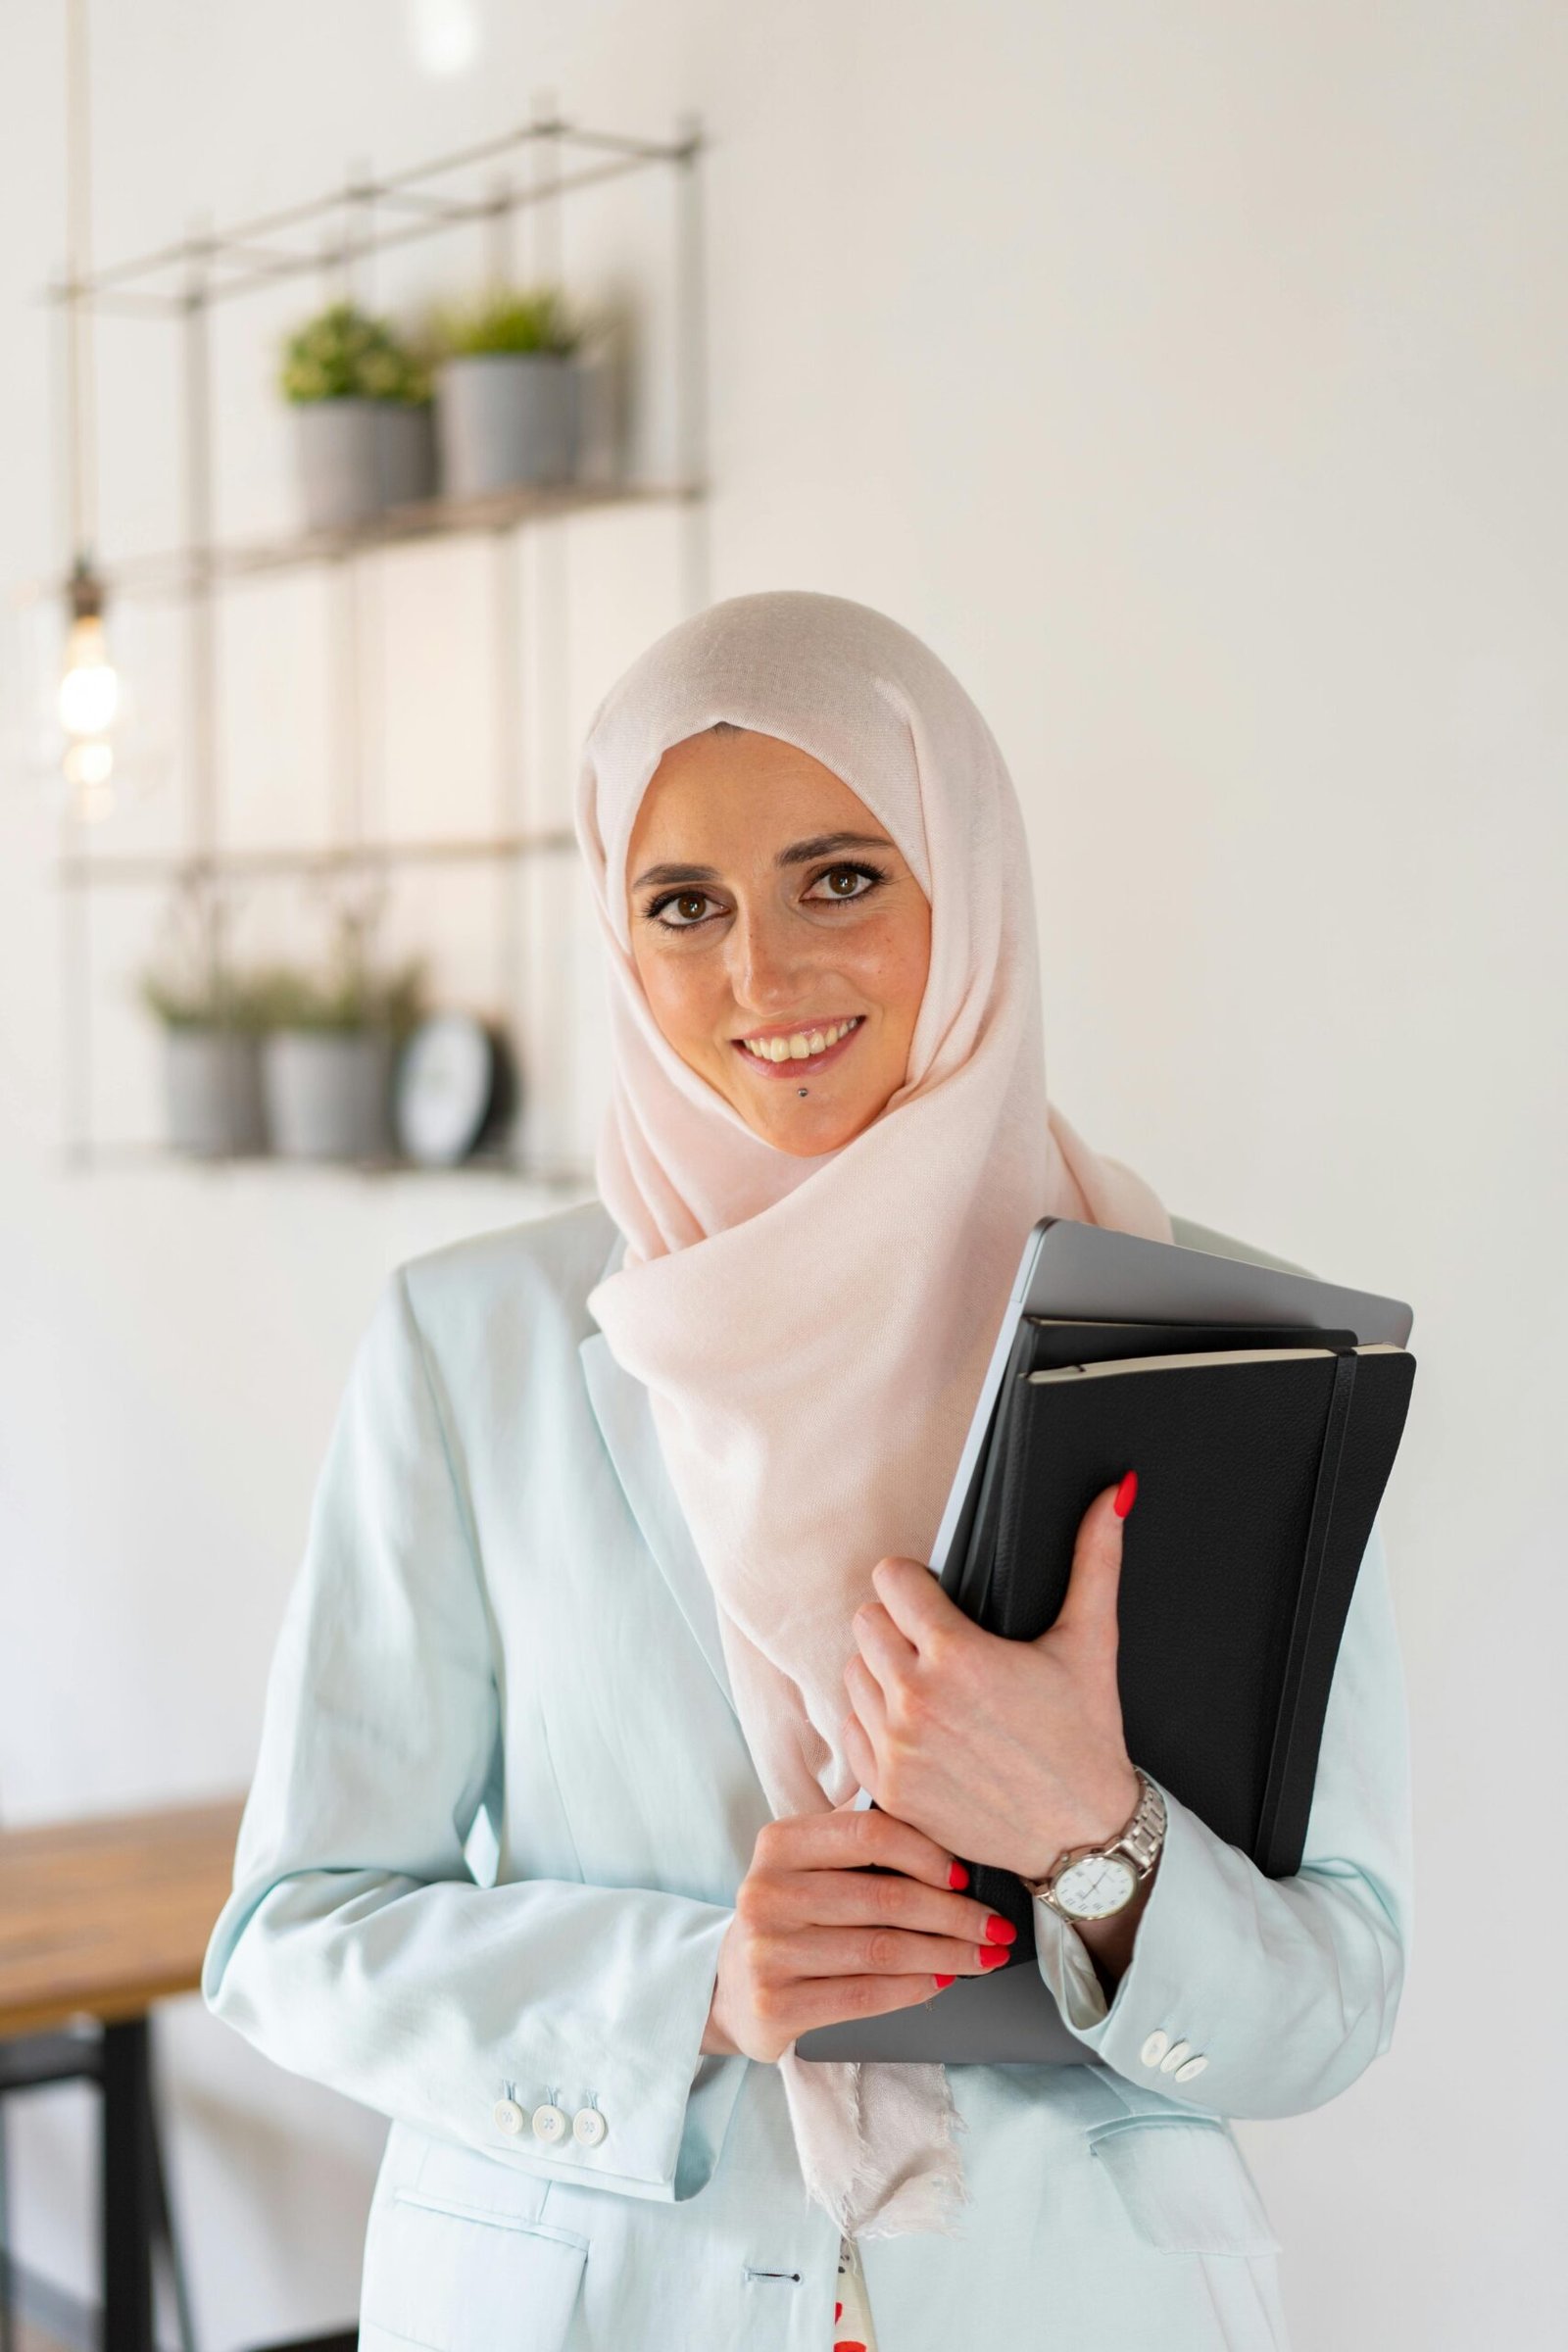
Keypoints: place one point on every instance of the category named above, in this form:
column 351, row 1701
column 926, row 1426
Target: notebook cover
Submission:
column 1040, row 1345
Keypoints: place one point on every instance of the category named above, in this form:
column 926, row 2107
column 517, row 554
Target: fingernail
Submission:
column 957, row 1875
column 941, row 1981
column 1126, row 1495
column 1000, row 1930
column 991, row 1955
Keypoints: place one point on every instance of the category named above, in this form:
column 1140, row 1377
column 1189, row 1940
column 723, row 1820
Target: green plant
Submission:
column 344, row 354
column 197, row 1000
column 507, row 319
column 348, row 995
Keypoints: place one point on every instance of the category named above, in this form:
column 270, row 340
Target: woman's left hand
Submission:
column 1006, row 1751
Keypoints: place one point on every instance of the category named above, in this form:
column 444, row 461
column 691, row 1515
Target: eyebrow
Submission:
column 799, row 853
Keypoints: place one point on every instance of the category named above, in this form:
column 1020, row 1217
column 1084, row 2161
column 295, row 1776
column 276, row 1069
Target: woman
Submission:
column 620, row 1543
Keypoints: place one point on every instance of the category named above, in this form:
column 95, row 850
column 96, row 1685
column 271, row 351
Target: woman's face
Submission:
column 766, row 903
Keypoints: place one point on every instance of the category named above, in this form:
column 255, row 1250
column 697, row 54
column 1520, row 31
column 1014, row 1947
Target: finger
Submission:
column 867, row 1698
column 848, row 1839
column 1090, row 1605
column 915, row 1602
column 852, row 1899
column 857, row 1748
column 880, row 1645
column 874, row 1951
column 838, row 2000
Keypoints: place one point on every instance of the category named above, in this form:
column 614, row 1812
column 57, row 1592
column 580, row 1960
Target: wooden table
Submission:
column 99, row 1919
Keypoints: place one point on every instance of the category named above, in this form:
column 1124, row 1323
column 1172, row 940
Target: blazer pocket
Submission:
column 449, row 2280
column 1184, row 2185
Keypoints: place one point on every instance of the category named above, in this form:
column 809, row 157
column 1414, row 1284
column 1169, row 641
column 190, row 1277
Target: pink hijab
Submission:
column 813, row 1332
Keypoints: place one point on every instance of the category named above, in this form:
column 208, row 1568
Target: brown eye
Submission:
column 856, row 875
column 687, row 906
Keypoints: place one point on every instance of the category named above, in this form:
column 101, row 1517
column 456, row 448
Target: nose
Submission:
column 767, row 959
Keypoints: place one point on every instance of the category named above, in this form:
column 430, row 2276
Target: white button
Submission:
column 589, row 2126
column 508, row 2116
column 1194, row 2066
column 1172, row 2059
column 1155, row 2048
column 549, row 2124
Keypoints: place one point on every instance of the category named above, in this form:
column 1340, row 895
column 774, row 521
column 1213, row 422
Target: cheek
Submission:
column 678, row 995
column 893, row 963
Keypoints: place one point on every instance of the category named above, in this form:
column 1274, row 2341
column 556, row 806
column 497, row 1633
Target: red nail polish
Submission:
column 1000, row 1930
column 940, row 1982
column 991, row 1955
column 957, row 1875
column 1126, row 1495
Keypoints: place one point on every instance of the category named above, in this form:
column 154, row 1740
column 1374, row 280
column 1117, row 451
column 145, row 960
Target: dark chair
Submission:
column 98, row 2054
column 34, row 2061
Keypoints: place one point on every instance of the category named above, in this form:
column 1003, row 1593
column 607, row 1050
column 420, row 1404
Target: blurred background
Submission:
column 380, row 377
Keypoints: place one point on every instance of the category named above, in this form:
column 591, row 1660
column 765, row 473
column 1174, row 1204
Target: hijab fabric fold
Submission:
column 813, row 1332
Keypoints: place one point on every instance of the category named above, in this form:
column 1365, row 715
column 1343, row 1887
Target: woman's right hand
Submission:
column 817, row 1938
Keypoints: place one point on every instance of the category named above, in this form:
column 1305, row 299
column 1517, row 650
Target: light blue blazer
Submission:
column 501, row 1620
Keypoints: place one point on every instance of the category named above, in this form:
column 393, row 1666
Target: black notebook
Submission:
column 1262, row 1408
column 1262, row 1453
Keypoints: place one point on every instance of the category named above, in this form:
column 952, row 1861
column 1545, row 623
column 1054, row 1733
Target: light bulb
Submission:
column 445, row 35
column 90, row 691
column 89, row 763
column 89, row 770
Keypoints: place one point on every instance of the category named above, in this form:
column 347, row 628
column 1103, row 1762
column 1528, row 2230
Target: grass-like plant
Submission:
column 196, row 1000
column 344, row 354
column 348, row 997
column 508, row 320
column 185, row 989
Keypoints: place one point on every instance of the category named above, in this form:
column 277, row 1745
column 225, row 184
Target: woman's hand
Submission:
column 817, row 1938
column 1006, row 1751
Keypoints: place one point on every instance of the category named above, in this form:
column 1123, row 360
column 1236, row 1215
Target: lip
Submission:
column 810, row 1061
column 826, row 1020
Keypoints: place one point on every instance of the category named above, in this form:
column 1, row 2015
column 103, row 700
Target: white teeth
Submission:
column 801, row 1046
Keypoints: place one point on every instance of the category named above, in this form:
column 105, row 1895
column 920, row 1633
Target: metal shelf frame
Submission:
column 533, row 169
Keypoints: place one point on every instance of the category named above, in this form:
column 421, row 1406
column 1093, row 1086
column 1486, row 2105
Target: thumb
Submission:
column 1089, row 1608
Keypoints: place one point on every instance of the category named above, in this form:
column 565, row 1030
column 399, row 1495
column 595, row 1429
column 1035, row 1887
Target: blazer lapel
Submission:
column 626, row 1418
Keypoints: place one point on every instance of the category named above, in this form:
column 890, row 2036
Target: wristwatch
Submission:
column 1096, row 1881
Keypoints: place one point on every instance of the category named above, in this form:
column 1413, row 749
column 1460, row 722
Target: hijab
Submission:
column 814, row 1331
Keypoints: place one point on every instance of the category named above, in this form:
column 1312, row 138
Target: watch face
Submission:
column 1095, row 1886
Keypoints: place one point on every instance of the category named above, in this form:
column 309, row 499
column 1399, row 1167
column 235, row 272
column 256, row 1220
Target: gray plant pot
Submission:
column 504, row 419
column 213, row 1092
column 358, row 456
column 328, row 1093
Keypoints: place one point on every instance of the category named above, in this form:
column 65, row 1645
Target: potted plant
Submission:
column 361, row 401
column 211, row 1024
column 328, row 1059
column 508, row 392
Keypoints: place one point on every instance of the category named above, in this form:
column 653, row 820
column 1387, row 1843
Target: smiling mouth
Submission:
column 794, row 1049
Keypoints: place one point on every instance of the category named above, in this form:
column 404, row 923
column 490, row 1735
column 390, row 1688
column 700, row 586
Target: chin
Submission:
column 804, row 1140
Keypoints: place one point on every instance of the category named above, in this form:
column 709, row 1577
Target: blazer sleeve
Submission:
column 1286, row 1988
column 357, row 1947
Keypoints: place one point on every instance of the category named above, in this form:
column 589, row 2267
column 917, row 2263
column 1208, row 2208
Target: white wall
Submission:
column 1194, row 378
